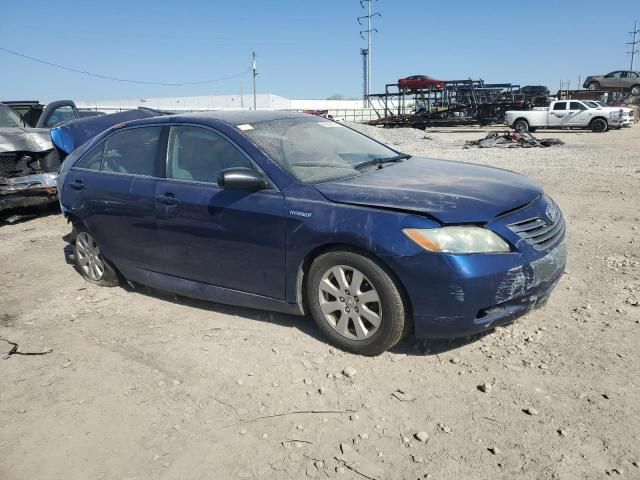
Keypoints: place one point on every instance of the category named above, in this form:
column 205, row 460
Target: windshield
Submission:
column 9, row 118
column 592, row 104
column 314, row 150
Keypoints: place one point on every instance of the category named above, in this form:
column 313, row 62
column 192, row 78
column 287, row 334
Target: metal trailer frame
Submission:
column 459, row 102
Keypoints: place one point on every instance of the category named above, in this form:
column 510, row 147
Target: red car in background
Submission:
column 420, row 82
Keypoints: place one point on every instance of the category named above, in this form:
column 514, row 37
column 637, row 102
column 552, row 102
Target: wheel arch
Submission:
column 303, row 270
column 524, row 119
column 599, row 117
column 77, row 222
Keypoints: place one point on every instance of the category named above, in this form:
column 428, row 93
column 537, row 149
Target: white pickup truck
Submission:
column 565, row 114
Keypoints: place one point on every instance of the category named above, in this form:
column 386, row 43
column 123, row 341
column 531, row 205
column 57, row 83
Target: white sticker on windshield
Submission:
column 244, row 126
column 329, row 125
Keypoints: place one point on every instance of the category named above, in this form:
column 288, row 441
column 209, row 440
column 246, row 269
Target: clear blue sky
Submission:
column 306, row 49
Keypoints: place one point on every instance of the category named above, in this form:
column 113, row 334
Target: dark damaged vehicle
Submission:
column 299, row 214
column 28, row 160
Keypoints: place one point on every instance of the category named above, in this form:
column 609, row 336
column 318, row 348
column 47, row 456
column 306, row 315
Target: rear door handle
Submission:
column 167, row 199
column 77, row 184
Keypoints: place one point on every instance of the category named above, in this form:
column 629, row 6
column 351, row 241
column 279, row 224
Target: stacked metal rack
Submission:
column 450, row 103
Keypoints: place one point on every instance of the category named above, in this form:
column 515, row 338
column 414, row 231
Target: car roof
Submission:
column 230, row 117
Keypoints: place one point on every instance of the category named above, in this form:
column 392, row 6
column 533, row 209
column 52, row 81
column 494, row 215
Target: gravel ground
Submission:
column 142, row 385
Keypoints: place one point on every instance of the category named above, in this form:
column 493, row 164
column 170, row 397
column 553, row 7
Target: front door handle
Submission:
column 77, row 184
column 167, row 199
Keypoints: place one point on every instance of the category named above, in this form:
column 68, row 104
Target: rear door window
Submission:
column 93, row 159
column 199, row 154
column 133, row 151
column 560, row 106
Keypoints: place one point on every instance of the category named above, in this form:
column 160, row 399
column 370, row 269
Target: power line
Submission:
column 122, row 80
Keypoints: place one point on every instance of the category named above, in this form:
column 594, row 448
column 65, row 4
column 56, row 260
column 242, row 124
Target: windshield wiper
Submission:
column 381, row 161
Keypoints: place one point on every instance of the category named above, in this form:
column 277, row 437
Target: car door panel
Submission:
column 112, row 190
column 628, row 80
column 577, row 114
column 227, row 238
column 120, row 212
column 558, row 115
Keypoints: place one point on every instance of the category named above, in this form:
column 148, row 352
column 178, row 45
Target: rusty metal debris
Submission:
column 511, row 140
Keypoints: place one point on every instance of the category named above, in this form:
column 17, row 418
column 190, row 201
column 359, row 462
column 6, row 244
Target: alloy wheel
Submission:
column 89, row 257
column 350, row 303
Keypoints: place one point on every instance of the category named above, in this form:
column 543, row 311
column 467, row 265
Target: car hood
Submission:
column 18, row 139
column 451, row 192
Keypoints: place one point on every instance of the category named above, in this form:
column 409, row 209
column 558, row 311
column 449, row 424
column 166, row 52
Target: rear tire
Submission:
column 635, row 90
column 594, row 86
column 90, row 262
column 599, row 125
column 521, row 126
column 356, row 302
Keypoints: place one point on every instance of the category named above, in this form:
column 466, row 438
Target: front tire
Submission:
column 635, row 90
column 356, row 302
column 90, row 262
column 594, row 86
column 599, row 125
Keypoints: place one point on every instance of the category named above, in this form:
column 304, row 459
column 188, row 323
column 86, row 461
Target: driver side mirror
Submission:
column 241, row 178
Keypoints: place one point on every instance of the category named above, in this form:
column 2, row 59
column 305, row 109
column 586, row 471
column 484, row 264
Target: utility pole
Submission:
column 368, row 33
column 634, row 43
column 365, row 76
column 255, row 103
column 241, row 96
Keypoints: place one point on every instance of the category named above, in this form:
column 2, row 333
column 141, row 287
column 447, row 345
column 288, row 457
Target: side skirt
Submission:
column 203, row 291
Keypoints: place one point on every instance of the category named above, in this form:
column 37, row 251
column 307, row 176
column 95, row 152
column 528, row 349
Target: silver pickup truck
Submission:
column 28, row 160
column 565, row 114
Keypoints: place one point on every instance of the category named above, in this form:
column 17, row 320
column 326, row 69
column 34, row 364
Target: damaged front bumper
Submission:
column 28, row 190
column 480, row 291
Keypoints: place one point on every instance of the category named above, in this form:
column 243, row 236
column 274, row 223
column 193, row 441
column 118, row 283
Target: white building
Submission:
column 350, row 110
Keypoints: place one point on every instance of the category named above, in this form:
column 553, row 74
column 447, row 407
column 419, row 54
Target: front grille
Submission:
column 17, row 165
column 8, row 164
column 540, row 233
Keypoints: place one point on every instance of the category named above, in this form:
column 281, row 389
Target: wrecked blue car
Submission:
column 299, row 214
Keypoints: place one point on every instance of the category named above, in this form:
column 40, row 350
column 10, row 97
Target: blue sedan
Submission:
column 300, row 214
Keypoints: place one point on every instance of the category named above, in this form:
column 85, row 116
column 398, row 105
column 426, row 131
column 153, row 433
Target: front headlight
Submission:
column 457, row 240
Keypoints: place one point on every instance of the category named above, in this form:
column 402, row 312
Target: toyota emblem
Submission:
column 551, row 212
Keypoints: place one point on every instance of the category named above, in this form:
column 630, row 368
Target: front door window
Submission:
column 199, row 155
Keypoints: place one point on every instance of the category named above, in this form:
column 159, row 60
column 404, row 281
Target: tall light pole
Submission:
column 255, row 103
column 368, row 33
column 633, row 43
